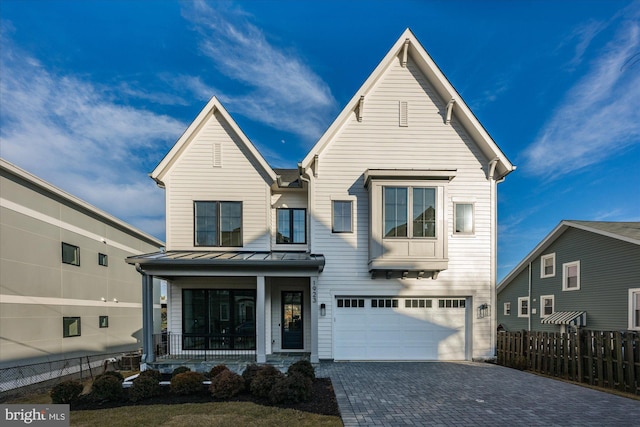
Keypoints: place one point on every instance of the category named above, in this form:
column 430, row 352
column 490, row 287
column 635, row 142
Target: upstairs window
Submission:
column 463, row 218
column 547, row 265
column 402, row 203
column 292, row 226
column 342, row 216
column 218, row 223
column 571, row 276
column 71, row 327
column 70, row 254
column 103, row 260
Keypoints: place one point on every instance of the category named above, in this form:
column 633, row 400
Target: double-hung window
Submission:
column 634, row 309
column 523, row 307
column 341, row 211
column 404, row 203
column 507, row 309
column 547, row 265
column 292, row 226
column 546, row 305
column 218, row 223
column 571, row 276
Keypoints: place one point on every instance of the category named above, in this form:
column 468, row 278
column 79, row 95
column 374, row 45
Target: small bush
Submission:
column 264, row 380
column 106, row 387
column 180, row 370
column 217, row 370
column 249, row 374
column 144, row 387
column 303, row 367
column 151, row 373
column 291, row 389
column 114, row 374
column 66, row 391
column 226, row 385
column 187, row 383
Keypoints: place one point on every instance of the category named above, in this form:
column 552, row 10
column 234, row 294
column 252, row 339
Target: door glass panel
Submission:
column 292, row 325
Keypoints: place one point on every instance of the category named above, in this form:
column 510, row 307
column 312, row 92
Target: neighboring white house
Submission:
column 381, row 245
column 65, row 288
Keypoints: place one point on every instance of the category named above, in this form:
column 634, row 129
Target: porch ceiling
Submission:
column 180, row 263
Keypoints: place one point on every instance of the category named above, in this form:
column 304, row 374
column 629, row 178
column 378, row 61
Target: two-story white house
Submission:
column 381, row 245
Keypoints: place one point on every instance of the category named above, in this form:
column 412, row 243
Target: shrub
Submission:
column 226, row 385
column 264, row 380
column 249, row 374
column 179, row 370
column 187, row 383
column 106, row 387
column 303, row 367
column 217, row 370
column 291, row 389
column 66, row 391
column 151, row 373
column 114, row 374
column 144, row 387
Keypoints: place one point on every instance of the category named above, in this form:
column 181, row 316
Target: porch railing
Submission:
column 189, row 346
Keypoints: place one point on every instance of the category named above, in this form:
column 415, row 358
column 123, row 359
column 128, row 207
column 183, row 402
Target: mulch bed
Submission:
column 323, row 400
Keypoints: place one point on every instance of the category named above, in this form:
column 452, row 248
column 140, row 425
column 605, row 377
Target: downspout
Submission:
column 494, row 252
column 530, row 302
column 308, row 178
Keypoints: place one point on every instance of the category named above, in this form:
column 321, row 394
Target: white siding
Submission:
column 194, row 177
column 378, row 142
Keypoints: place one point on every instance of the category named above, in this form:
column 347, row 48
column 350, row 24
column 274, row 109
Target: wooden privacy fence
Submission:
column 601, row 358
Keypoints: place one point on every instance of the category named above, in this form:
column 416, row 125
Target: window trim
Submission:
column 291, row 225
column 506, row 309
column 76, row 249
column 520, row 301
column 552, row 257
column 565, row 268
column 410, row 214
column 218, row 236
column 333, row 222
column 633, row 308
column 473, row 219
column 542, row 306
column 65, row 326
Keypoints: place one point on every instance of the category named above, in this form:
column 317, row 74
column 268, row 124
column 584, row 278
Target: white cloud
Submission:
column 282, row 91
column 73, row 134
column 599, row 116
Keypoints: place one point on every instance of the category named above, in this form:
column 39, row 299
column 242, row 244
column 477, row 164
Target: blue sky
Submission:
column 94, row 93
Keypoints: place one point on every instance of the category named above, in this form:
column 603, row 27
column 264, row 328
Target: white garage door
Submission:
column 383, row 328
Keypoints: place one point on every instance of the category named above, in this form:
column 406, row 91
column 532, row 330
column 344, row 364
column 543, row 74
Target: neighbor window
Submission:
column 102, row 259
column 104, row 321
column 507, row 309
column 70, row 327
column 548, row 265
column 70, row 254
column 523, row 307
column 218, row 223
column 402, row 203
column 341, row 216
column 546, row 305
column 463, row 218
column 571, row 276
column 634, row 309
column 292, row 226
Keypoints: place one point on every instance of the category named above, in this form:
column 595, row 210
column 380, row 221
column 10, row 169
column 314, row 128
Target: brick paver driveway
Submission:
column 467, row 394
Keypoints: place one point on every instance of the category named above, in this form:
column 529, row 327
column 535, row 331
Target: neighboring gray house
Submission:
column 65, row 288
column 583, row 274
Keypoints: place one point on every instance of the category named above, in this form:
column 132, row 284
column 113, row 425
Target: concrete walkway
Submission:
column 467, row 394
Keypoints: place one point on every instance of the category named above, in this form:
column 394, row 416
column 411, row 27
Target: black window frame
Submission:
column 103, row 259
column 218, row 233
column 103, row 322
column 66, row 323
column 292, row 224
column 76, row 250
column 409, row 229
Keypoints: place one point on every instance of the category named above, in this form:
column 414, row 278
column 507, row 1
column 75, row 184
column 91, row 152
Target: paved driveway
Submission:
column 467, row 394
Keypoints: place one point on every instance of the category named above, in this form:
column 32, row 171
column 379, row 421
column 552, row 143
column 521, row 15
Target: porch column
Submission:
column 148, row 353
column 315, row 312
column 261, row 356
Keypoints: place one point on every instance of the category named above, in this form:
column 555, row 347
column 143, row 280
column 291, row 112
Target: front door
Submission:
column 292, row 325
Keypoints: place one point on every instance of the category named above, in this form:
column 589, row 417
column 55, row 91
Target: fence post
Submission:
column 617, row 342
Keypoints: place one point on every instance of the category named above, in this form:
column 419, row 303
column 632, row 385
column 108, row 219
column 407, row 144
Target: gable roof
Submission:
column 178, row 148
column 441, row 85
column 624, row 231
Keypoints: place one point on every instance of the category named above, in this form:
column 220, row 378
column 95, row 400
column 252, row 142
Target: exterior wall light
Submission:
column 323, row 310
column 483, row 311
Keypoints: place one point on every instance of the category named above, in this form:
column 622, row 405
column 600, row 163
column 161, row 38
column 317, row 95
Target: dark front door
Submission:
column 292, row 337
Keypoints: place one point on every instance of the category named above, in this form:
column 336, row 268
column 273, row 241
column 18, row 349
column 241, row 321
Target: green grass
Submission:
column 231, row 414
